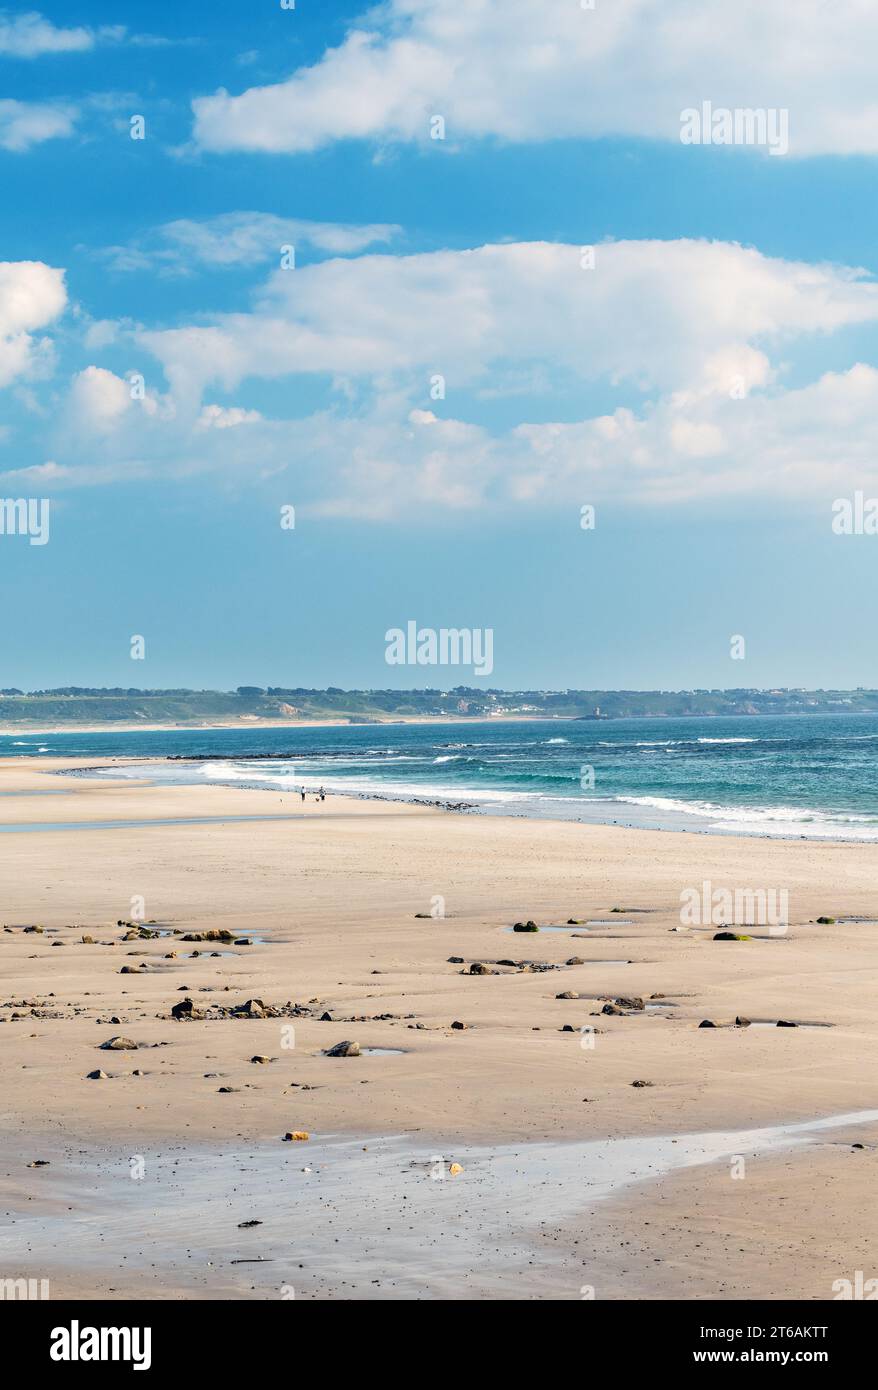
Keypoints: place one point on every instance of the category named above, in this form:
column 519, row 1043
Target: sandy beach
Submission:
column 575, row 1181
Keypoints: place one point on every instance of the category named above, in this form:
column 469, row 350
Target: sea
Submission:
column 797, row 776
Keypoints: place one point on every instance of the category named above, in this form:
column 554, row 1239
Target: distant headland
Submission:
column 86, row 706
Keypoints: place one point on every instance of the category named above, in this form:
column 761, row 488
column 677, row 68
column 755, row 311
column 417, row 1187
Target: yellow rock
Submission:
column 455, row 1169
column 298, row 1134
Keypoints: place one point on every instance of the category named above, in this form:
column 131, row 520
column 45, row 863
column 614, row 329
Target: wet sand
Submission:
column 332, row 890
column 392, row 1219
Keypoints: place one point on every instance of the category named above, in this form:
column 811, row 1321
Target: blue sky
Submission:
column 710, row 386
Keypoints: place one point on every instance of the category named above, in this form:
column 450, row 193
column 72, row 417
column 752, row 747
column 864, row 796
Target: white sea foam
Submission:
column 356, row 775
column 259, row 775
column 767, row 820
column 674, row 742
column 727, row 740
column 642, row 743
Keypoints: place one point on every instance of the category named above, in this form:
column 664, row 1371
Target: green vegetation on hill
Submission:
column 82, row 705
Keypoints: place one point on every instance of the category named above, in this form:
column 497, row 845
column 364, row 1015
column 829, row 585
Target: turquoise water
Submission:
column 811, row 776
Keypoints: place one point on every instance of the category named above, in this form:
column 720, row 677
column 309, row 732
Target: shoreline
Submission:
column 258, row 723
column 790, row 779
column 470, row 803
column 351, row 722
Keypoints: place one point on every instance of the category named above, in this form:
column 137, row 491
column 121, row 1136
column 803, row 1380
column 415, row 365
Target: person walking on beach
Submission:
column 303, row 793
column 322, row 794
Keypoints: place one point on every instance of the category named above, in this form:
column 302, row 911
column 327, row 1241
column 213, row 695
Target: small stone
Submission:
column 640, row 1084
column 296, row 1136
column 97, row 1076
column 707, row 1023
column 477, row 968
column 567, row 994
column 119, row 1045
column 742, row 1022
column 457, row 1024
column 785, row 1023
column 252, row 1008
column 576, row 960
column 344, row 1049
column 454, row 1169
column 262, row 1061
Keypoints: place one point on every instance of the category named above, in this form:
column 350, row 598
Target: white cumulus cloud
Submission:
column 241, row 239
column 27, row 123
column 218, row 417
column 682, row 315
column 30, row 36
column 31, row 296
column 99, row 398
column 523, row 71
column 706, row 372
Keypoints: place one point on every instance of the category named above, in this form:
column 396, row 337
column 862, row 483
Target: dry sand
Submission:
column 333, row 890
